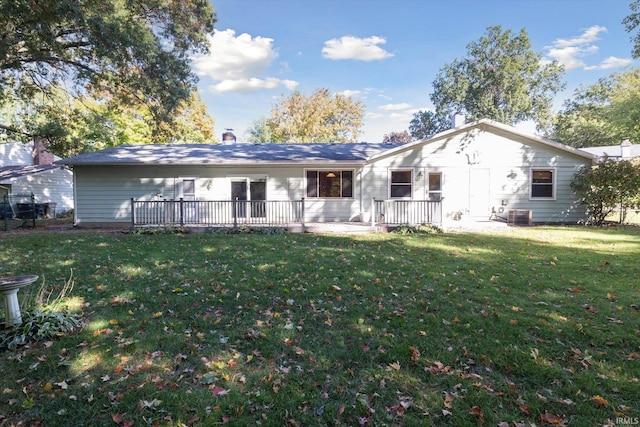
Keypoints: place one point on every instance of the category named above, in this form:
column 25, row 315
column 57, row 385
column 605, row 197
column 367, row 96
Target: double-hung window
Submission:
column 329, row 183
column 401, row 184
column 435, row 187
column 543, row 183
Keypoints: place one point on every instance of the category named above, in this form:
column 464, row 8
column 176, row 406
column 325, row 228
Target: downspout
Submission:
column 359, row 177
column 75, row 199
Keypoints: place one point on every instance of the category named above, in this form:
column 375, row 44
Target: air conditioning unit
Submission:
column 519, row 217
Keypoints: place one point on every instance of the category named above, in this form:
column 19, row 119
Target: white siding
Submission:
column 494, row 162
column 16, row 154
column 508, row 159
column 53, row 186
column 104, row 193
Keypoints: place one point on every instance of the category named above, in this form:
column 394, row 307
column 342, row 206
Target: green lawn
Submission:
column 535, row 325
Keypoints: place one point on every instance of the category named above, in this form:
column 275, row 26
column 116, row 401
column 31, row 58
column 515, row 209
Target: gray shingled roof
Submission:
column 198, row 154
column 8, row 173
column 612, row 150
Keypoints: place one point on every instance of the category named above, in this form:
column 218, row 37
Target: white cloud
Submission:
column 252, row 84
column 610, row 62
column 350, row 93
column 572, row 52
column 395, row 107
column 589, row 35
column 238, row 63
column 362, row 49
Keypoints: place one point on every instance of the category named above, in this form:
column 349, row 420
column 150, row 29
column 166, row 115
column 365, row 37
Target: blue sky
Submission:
column 386, row 53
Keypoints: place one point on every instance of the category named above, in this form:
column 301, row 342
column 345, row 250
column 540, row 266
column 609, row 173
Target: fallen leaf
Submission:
column 62, row 384
column 448, row 399
column 395, row 366
column 476, row 411
column 415, row 353
column 600, row 401
column 551, row 419
column 219, row 391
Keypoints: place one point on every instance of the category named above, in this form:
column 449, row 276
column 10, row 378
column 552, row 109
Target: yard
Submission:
column 535, row 325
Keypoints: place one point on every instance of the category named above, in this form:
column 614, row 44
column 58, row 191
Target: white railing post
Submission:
column 373, row 212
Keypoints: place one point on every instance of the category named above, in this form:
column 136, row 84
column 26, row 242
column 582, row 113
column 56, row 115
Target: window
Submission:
column 251, row 192
column 401, row 184
column 542, row 184
column 434, row 191
column 188, row 189
column 330, row 184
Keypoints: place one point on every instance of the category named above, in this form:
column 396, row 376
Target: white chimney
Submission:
column 625, row 149
column 457, row 119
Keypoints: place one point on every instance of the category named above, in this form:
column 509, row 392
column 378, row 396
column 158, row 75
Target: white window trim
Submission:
column 412, row 182
column 340, row 169
column 554, row 183
column 181, row 180
column 434, row 172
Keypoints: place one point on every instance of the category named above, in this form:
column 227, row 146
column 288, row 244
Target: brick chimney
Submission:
column 41, row 156
column 228, row 137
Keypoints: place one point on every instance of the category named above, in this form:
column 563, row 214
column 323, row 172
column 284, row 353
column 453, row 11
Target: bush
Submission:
column 40, row 325
column 606, row 187
column 250, row 230
column 46, row 317
column 420, row 229
column 161, row 230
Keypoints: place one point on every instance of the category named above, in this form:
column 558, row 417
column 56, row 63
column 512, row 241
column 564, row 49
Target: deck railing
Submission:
column 410, row 212
column 216, row 213
column 227, row 213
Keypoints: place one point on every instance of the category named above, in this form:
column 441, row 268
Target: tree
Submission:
column 631, row 23
column 607, row 186
column 73, row 125
column 501, row 78
column 427, row 123
column 601, row 114
column 260, row 131
column 137, row 52
column 398, row 137
column 320, row 117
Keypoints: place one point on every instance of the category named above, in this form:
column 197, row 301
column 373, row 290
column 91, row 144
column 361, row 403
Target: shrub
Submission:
column 45, row 317
column 420, row 229
column 607, row 186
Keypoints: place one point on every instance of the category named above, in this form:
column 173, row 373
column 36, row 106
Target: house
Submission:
column 479, row 171
column 27, row 169
column 625, row 151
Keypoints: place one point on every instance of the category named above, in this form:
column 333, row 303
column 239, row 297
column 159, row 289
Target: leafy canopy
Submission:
column 401, row 137
column 319, row 117
column 604, row 113
column 631, row 23
column 501, row 78
column 606, row 186
column 427, row 123
column 122, row 53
